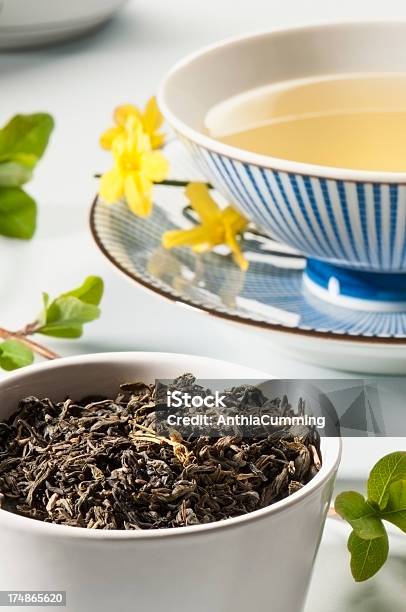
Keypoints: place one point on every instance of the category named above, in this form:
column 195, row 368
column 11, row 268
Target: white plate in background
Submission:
column 25, row 23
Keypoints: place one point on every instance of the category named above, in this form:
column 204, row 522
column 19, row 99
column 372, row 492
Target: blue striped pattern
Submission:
column 270, row 292
column 360, row 225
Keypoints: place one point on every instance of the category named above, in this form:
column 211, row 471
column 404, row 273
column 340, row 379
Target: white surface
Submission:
column 336, row 591
column 80, row 83
column 104, row 570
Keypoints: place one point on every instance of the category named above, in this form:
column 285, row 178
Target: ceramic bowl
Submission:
column 27, row 23
column 351, row 225
column 259, row 561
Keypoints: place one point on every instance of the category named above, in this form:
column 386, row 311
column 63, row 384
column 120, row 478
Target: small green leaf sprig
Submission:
column 386, row 501
column 62, row 317
column 23, row 141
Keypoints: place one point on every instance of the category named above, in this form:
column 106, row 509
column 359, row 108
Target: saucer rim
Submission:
column 363, row 340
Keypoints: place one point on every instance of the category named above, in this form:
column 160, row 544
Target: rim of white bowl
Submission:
column 331, row 449
column 265, row 161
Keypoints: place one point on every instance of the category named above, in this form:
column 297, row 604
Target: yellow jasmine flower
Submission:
column 136, row 168
column 217, row 226
column 151, row 120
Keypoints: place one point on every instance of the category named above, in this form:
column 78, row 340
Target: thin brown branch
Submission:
column 34, row 346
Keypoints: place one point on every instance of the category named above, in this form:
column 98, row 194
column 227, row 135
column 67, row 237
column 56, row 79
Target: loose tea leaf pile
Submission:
column 100, row 464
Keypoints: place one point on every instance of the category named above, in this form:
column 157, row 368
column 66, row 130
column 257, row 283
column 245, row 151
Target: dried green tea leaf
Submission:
column 388, row 470
column 100, row 463
column 362, row 517
column 367, row 556
column 14, row 355
column 18, row 213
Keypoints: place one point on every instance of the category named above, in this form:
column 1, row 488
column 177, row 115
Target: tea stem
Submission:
column 180, row 450
column 176, row 183
column 170, row 182
column 21, row 336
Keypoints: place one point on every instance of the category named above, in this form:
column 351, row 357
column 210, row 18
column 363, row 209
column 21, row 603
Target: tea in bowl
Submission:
column 303, row 130
column 241, row 562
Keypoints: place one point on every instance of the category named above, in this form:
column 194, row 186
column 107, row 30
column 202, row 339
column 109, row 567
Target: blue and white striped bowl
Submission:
column 351, row 225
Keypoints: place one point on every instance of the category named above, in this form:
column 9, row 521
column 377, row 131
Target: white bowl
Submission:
column 259, row 561
column 25, row 23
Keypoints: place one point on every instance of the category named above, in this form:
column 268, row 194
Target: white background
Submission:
column 80, row 83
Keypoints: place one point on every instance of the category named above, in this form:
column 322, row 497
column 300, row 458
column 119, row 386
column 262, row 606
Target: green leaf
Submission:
column 29, row 160
column 65, row 316
column 387, row 471
column 395, row 511
column 362, row 517
column 14, row 355
column 13, row 174
column 91, row 292
column 25, row 138
column 367, row 556
column 18, row 213
column 42, row 318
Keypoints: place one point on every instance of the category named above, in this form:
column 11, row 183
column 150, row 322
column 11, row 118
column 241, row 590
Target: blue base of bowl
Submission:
column 373, row 291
